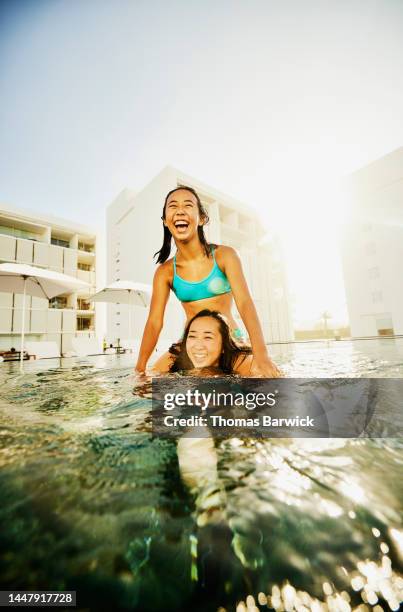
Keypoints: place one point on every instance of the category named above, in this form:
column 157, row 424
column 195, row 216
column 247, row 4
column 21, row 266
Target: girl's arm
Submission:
column 155, row 318
column 246, row 366
column 233, row 269
column 163, row 363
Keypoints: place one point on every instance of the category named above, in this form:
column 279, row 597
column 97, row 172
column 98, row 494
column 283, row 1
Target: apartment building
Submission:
column 135, row 233
column 55, row 244
column 372, row 248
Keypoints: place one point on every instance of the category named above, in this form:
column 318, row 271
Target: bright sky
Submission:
column 271, row 102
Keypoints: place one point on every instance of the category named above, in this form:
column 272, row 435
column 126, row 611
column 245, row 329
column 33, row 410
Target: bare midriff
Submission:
column 222, row 303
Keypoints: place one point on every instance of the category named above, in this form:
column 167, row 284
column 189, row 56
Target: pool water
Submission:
column 91, row 502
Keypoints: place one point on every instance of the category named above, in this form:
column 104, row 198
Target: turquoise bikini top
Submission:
column 214, row 284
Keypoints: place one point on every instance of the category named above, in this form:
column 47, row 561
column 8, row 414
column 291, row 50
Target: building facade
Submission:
column 372, row 248
column 54, row 244
column 135, row 233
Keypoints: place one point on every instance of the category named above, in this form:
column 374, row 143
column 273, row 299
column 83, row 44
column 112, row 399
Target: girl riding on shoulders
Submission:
column 203, row 276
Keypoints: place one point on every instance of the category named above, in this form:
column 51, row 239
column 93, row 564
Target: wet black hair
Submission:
column 165, row 250
column 230, row 349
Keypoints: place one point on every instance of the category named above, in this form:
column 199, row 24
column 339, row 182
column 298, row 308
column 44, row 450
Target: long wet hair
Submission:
column 165, row 250
column 230, row 350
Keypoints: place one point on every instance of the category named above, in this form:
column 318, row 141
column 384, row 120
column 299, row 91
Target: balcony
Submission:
column 37, row 320
column 42, row 254
column 85, row 323
column 19, row 228
column 87, row 248
column 58, row 302
column 236, row 237
column 85, row 259
column 87, row 277
column 60, row 242
column 84, row 305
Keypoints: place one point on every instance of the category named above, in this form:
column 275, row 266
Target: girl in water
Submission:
column 203, row 276
column 207, row 343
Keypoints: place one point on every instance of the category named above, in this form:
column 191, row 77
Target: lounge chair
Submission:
column 12, row 355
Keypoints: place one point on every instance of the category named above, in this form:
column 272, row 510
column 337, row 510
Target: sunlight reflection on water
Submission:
column 89, row 499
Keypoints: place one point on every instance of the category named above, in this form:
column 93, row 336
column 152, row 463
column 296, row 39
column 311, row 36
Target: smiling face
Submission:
column 204, row 342
column 182, row 216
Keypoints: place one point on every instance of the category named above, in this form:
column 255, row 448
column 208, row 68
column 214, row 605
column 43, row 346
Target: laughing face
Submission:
column 204, row 342
column 182, row 216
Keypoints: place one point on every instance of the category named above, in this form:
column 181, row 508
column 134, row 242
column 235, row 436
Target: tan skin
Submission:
column 204, row 346
column 192, row 264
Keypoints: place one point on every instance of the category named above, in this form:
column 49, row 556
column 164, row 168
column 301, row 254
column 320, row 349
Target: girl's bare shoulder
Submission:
column 163, row 363
column 224, row 253
column 165, row 270
column 243, row 364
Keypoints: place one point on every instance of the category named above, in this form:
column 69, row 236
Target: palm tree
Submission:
column 325, row 316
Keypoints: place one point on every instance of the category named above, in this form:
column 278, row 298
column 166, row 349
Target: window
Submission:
column 83, row 304
column 60, row 242
column 83, row 246
column 58, row 302
column 83, row 266
column 83, row 323
column 377, row 296
column 385, row 326
column 373, row 273
column 18, row 233
column 370, row 248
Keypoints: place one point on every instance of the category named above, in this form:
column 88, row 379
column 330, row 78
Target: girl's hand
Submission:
column 267, row 368
column 139, row 375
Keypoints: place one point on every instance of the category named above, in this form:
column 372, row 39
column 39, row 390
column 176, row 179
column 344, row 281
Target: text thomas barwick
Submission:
column 217, row 420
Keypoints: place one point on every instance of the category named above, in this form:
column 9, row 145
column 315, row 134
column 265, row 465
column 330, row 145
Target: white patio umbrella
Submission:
column 38, row 282
column 125, row 292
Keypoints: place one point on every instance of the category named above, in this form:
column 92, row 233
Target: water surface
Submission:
column 91, row 502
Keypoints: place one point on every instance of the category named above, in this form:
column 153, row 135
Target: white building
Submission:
column 55, row 244
column 372, row 248
column 135, row 233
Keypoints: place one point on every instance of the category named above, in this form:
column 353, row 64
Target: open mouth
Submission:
column 199, row 356
column 181, row 225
